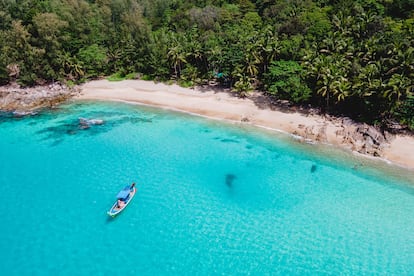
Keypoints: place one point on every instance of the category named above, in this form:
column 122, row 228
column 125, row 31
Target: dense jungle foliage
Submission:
column 353, row 58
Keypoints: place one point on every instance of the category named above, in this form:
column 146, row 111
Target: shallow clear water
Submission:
column 213, row 198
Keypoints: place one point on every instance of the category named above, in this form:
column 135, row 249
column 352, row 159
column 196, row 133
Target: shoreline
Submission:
column 256, row 110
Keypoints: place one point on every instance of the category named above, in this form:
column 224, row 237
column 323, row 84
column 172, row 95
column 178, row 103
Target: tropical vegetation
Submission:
column 353, row 58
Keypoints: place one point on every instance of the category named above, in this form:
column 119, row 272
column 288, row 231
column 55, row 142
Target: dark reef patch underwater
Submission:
column 230, row 179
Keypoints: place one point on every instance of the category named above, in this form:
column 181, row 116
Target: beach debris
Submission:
column 86, row 123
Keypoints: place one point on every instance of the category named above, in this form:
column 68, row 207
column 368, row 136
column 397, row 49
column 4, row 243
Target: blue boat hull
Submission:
column 115, row 210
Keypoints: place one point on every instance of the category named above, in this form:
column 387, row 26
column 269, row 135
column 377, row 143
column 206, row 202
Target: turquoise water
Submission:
column 213, row 198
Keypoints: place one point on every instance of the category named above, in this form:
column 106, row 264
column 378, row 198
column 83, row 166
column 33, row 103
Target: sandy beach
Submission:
column 252, row 110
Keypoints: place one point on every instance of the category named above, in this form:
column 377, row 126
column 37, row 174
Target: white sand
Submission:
column 401, row 151
column 222, row 105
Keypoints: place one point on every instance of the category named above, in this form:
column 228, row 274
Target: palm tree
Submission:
column 397, row 87
column 331, row 78
column 243, row 85
column 176, row 53
column 269, row 47
column 177, row 58
column 215, row 57
column 193, row 47
column 72, row 67
column 342, row 88
column 114, row 55
column 251, row 64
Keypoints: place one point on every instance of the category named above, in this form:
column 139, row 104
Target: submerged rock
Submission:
column 18, row 113
column 86, row 123
column 229, row 179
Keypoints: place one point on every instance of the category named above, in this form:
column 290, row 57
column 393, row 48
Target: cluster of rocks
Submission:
column 358, row 137
column 312, row 133
column 21, row 100
column 363, row 138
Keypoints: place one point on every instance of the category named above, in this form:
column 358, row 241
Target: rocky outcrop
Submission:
column 358, row 137
column 363, row 138
column 15, row 98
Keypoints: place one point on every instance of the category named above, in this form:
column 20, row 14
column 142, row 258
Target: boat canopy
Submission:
column 124, row 193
